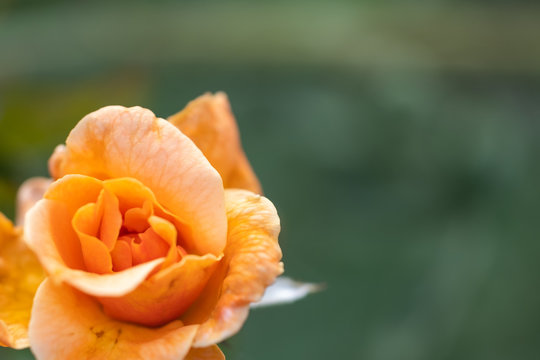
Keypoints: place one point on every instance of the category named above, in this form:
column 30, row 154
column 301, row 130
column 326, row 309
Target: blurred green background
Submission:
column 398, row 140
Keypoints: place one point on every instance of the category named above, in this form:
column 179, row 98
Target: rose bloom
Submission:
column 153, row 236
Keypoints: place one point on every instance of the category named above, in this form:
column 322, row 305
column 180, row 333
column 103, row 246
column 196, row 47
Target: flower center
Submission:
column 117, row 233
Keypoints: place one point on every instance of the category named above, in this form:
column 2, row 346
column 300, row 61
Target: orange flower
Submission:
column 149, row 251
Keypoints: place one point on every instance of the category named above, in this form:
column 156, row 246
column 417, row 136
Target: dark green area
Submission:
column 400, row 150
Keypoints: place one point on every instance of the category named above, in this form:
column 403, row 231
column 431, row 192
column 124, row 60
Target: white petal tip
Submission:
column 285, row 291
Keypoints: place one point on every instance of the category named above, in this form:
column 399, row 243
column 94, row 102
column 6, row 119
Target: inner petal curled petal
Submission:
column 168, row 233
column 95, row 253
column 111, row 218
column 151, row 247
column 121, row 256
column 136, row 219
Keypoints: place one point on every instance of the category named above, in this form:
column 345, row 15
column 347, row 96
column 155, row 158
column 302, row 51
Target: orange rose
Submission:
column 149, row 252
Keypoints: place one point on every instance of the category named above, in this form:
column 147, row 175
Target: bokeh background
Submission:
column 398, row 140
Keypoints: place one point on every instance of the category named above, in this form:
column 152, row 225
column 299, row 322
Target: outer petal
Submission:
column 166, row 295
column 29, row 193
column 251, row 263
column 118, row 142
column 209, row 122
column 67, row 324
column 20, row 275
column 208, row 353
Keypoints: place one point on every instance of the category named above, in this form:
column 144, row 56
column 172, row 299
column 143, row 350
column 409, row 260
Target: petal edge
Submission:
column 252, row 253
column 209, row 122
column 62, row 315
column 20, row 275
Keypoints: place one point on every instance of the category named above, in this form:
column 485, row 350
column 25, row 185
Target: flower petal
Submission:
column 96, row 256
column 111, row 221
column 139, row 204
column 67, row 324
column 251, row 263
column 121, row 256
column 20, row 275
column 209, row 122
column 208, row 353
column 48, row 220
column 116, row 142
column 29, row 193
column 285, row 290
column 63, row 199
column 56, row 160
column 165, row 295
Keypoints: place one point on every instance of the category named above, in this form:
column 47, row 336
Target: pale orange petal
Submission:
column 166, row 294
column 55, row 162
column 29, row 193
column 20, row 275
column 209, row 122
column 43, row 224
column 208, row 353
column 67, row 324
column 116, row 142
column 251, row 263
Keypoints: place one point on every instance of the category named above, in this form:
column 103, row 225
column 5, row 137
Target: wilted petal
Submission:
column 20, row 275
column 116, row 142
column 208, row 353
column 251, row 263
column 209, row 122
column 67, row 324
column 29, row 193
